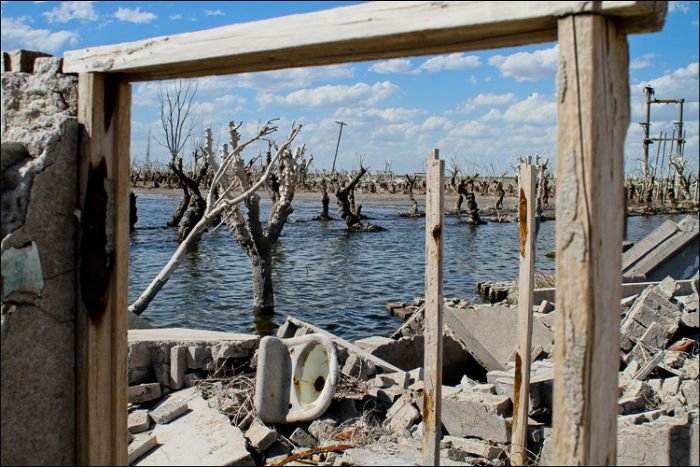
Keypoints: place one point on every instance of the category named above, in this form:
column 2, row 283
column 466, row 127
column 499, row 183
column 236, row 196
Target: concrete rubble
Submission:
column 375, row 417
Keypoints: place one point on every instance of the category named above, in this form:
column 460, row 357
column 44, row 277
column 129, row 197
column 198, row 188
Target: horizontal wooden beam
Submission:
column 376, row 30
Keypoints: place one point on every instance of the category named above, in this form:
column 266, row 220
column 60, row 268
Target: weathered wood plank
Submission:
column 354, row 33
column 593, row 117
column 526, row 283
column 104, row 114
column 432, row 331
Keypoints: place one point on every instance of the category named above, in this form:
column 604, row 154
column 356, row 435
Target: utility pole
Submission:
column 342, row 124
column 649, row 91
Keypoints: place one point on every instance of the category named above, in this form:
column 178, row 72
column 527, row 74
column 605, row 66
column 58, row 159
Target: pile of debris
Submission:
column 375, row 417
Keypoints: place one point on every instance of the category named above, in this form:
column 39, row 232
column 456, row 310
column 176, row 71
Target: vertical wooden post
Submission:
column 432, row 361
column 593, row 117
column 104, row 112
column 521, row 388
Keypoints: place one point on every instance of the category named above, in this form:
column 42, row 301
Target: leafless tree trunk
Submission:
column 214, row 209
column 352, row 216
column 177, row 123
column 325, row 201
column 255, row 239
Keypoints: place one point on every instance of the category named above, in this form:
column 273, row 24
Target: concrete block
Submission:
column 690, row 390
column 144, row 393
column 357, row 367
column 691, row 319
column 276, row 453
column 467, row 414
column 627, row 405
column 169, row 410
column 651, row 306
column 141, row 444
column 472, row 447
column 402, row 415
column 668, row 287
column 303, row 439
column 322, row 428
column 138, row 421
column 664, row 441
column 287, row 330
column 162, row 371
column 260, row 436
column 178, row 366
column 199, row 357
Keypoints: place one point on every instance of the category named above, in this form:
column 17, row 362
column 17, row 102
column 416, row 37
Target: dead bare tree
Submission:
column 255, row 239
column 411, row 183
column 353, row 215
column 177, row 123
column 215, row 207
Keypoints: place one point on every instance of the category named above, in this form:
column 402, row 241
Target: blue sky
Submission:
column 482, row 109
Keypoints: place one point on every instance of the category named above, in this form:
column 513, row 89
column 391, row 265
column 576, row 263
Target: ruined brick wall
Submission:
column 39, row 201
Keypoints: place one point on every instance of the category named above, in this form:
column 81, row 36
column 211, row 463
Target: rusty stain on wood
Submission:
column 516, row 387
column 522, row 208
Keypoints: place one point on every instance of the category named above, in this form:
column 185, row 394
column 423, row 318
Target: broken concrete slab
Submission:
column 402, row 415
column 144, row 393
column 664, row 441
column 168, row 410
column 652, row 306
column 150, row 349
column 671, row 249
column 140, row 445
column 203, row 436
column 467, row 414
column 138, row 421
column 178, row 366
column 472, row 446
column 390, row 454
column 488, row 333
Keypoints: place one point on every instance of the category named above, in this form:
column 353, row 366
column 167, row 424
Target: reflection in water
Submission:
column 322, row 274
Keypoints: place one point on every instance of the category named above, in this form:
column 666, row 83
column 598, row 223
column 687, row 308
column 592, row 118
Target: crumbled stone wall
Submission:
column 38, row 229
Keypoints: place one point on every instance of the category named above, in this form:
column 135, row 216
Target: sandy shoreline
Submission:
column 369, row 198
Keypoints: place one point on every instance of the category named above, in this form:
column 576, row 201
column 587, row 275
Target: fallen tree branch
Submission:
column 311, row 452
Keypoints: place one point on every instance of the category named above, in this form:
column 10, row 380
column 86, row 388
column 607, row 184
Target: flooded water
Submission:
column 322, row 274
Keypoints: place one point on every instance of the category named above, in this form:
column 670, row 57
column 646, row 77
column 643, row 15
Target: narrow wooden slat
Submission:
column 432, row 332
column 104, row 115
column 593, row 116
column 353, row 33
column 526, row 283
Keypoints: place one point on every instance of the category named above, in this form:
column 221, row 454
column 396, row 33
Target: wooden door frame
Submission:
column 377, row 30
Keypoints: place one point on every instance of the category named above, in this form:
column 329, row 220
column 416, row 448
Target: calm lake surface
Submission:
column 335, row 280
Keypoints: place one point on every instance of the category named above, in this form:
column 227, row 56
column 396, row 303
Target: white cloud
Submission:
column 332, row 95
column 528, row 66
column 397, row 65
column 68, row 11
column 134, row 15
column 270, row 81
column 391, row 114
column 487, row 99
column 214, row 13
column 642, row 62
column 175, row 17
column 457, row 61
column 535, row 109
column 18, row 35
column 678, row 7
column 436, row 123
column 473, row 80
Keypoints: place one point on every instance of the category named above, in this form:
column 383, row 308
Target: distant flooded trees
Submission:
column 223, row 200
